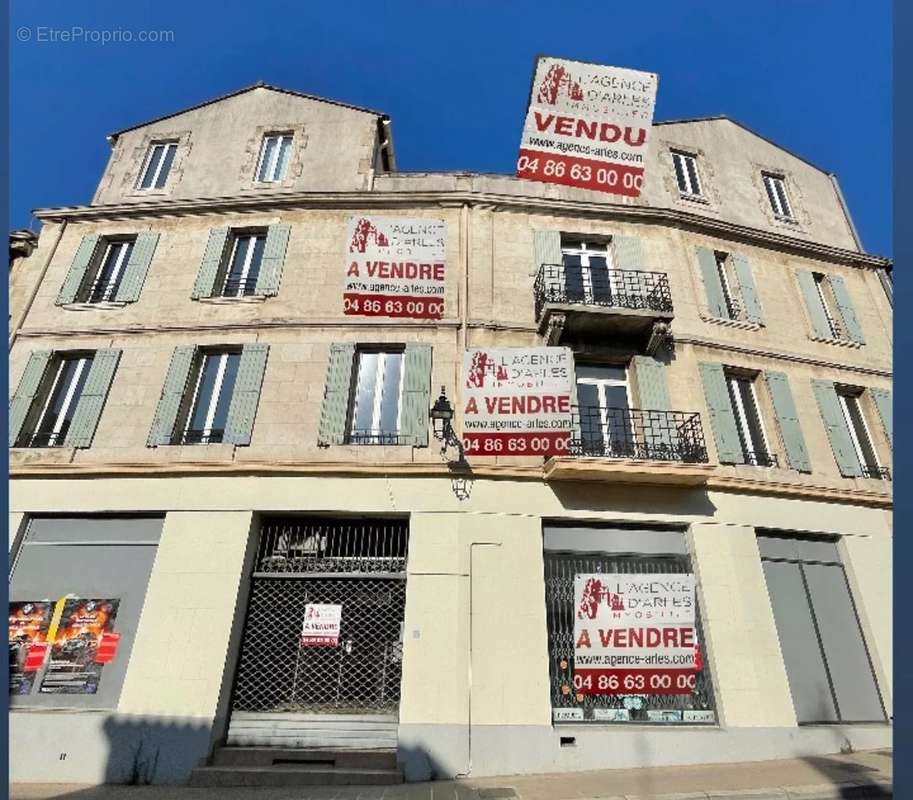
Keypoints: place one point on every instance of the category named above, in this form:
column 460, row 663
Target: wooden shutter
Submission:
column 78, row 268
column 169, row 404
column 628, row 253
column 273, row 258
column 335, row 410
column 820, row 326
column 716, row 300
column 137, row 267
column 92, row 400
column 882, row 398
column 547, row 247
column 416, row 396
column 722, row 420
column 788, row 419
column 837, row 430
column 25, row 393
column 653, row 391
column 750, row 301
column 850, row 321
column 246, row 395
column 209, row 267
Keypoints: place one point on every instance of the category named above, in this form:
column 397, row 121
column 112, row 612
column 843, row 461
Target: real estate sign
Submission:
column 395, row 267
column 634, row 633
column 517, row 401
column 321, row 625
column 587, row 126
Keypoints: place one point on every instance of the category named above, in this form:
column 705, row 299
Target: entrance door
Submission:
column 342, row 696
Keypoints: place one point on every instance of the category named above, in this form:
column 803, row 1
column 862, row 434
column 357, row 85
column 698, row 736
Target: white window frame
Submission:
column 843, row 396
column 165, row 144
column 776, row 193
column 742, row 416
column 820, row 279
column 248, row 260
column 67, row 400
column 379, row 391
column 601, row 384
column 682, row 160
column 115, row 273
column 271, row 176
column 584, row 249
column 214, row 398
column 732, row 306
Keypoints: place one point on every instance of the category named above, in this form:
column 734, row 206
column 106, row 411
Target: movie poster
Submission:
column 85, row 641
column 28, row 631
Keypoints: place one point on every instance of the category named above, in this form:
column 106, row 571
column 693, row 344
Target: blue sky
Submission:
column 813, row 76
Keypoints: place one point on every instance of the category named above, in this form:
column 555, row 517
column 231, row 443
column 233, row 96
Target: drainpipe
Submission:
column 28, row 306
column 464, row 311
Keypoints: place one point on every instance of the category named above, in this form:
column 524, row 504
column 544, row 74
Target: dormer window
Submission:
column 274, row 157
column 158, row 164
column 776, row 193
column 685, row 164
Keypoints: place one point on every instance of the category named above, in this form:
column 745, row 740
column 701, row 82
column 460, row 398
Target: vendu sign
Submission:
column 634, row 633
column 587, row 126
column 517, row 401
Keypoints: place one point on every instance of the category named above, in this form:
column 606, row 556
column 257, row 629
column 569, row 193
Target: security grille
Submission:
column 359, row 564
column 560, row 569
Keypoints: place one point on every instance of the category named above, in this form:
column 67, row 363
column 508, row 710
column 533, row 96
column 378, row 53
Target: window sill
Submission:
column 694, row 198
column 740, row 324
column 227, row 301
column 837, row 342
column 102, row 306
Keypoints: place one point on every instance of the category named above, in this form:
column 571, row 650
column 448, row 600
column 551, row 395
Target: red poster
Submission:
column 28, row 629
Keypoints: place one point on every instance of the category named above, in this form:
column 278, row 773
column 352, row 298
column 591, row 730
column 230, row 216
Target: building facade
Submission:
column 203, row 443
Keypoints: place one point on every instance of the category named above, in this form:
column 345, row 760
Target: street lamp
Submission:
column 442, row 424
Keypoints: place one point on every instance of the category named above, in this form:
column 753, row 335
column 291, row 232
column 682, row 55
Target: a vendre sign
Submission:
column 587, row 126
column 634, row 633
column 517, row 401
column 395, row 267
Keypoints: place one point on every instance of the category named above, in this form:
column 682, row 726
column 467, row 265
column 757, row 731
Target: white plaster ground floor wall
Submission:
column 475, row 688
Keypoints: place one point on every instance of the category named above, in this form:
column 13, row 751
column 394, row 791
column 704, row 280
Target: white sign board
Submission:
column 395, row 267
column 321, row 625
column 517, row 401
column 587, row 126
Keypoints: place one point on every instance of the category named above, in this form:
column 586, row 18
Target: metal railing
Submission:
column 236, row 287
column 759, row 458
column 645, row 434
column 201, row 436
column 612, row 288
column 875, row 471
column 375, row 437
column 42, row 439
column 102, row 291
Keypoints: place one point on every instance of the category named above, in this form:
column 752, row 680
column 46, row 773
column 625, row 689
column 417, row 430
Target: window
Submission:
column 587, row 274
column 375, row 401
column 748, row 420
column 158, row 164
column 727, row 282
column 860, row 436
column 213, row 384
column 776, row 193
column 686, row 173
column 828, row 666
column 101, row 284
column 55, row 402
column 828, row 303
column 274, row 157
column 242, row 267
column 605, row 411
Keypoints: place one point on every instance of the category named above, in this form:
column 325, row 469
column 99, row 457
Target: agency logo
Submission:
column 366, row 231
column 594, row 593
column 558, row 81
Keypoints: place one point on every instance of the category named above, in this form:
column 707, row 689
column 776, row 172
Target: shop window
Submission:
column 594, row 573
column 830, row 673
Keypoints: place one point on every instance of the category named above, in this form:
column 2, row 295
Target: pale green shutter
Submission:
column 22, row 400
column 246, row 395
column 850, row 321
column 750, row 301
column 169, row 404
column 628, row 254
column 92, row 400
column 335, row 410
column 77, row 272
column 547, row 247
column 722, row 420
column 882, row 398
column 135, row 273
column 837, row 430
column 273, row 259
column 788, row 419
column 209, row 267
column 820, row 326
column 654, row 400
column 416, row 396
column 710, row 273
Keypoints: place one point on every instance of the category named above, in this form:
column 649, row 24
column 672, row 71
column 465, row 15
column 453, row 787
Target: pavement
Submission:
column 862, row 775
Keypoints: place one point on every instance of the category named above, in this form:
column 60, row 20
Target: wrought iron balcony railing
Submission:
column 638, row 433
column 102, row 291
column 608, row 288
column 201, row 436
column 375, row 437
column 759, row 458
column 875, row 471
column 237, row 287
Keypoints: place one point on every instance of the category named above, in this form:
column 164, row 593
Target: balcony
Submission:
column 579, row 302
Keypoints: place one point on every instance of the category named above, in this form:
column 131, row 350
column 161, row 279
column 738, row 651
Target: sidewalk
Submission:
column 857, row 775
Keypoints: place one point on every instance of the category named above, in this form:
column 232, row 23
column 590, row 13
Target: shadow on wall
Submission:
column 602, row 497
